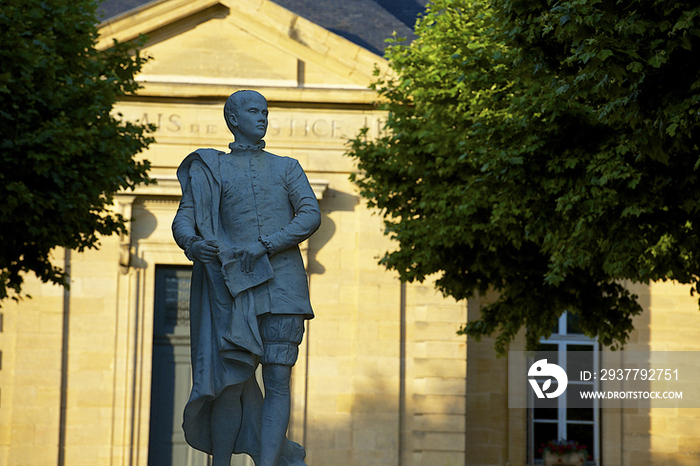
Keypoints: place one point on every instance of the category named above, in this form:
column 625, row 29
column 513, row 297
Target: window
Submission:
column 172, row 298
column 553, row 418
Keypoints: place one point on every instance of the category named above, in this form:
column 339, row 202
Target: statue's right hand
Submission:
column 204, row 251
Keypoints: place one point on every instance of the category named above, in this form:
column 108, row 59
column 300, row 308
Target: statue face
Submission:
column 251, row 118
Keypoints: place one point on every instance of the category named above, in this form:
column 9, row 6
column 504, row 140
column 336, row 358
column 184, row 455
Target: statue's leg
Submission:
column 281, row 335
column 226, row 417
column 275, row 414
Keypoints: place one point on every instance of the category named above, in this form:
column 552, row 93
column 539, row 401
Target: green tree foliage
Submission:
column 544, row 149
column 62, row 154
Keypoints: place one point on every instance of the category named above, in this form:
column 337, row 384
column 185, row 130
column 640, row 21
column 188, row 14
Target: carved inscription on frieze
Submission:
column 193, row 122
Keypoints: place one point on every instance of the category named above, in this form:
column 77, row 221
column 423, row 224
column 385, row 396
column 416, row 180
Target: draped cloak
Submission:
column 274, row 203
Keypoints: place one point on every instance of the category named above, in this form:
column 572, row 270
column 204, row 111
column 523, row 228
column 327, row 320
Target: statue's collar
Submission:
column 238, row 148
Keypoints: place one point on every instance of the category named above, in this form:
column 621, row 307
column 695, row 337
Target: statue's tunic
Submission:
column 236, row 199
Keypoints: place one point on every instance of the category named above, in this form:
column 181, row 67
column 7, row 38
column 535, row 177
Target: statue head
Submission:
column 246, row 116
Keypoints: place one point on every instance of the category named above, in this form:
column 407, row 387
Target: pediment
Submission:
column 253, row 43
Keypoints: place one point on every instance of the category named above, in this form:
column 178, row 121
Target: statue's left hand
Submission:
column 249, row 254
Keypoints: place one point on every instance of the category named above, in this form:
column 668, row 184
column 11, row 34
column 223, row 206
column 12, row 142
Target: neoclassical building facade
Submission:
column 98, row 375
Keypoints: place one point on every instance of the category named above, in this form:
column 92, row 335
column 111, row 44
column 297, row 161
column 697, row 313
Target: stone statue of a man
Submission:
column 241, row 219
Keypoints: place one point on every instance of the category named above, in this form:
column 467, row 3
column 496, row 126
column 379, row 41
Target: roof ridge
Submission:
column 366, row 23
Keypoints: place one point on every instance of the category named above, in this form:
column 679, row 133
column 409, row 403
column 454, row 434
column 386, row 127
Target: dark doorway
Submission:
column 172, row 373
column 171, row 378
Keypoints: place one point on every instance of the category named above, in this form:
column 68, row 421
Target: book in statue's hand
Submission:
column 236, row 279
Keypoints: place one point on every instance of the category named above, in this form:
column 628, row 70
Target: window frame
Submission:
column 562, row 338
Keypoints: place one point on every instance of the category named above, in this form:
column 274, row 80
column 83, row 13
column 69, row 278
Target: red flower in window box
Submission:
column 564, row 453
